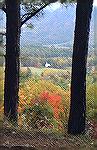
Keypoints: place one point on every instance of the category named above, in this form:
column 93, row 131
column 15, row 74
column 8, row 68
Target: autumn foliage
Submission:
column 54, row 100
column 43, row 93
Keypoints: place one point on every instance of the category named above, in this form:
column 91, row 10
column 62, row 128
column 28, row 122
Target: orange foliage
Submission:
column 32, row 92
column 44, row 96
column 53, row 99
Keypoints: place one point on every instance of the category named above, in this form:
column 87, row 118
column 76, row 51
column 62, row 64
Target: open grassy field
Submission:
column 39, row 71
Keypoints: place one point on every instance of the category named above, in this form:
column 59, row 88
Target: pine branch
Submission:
column 4, row 9
column 30, row 15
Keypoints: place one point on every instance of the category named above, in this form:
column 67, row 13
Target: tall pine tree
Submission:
column 77, row 118
column 11, row 86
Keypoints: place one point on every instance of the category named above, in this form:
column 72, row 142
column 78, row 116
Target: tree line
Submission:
column 77, row 116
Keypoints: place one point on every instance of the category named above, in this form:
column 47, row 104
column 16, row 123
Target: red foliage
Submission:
column 44, row 96
column 53, row 99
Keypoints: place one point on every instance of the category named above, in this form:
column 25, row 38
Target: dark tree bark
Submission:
column 11, row 86
column 77, row 117
column 12, row 62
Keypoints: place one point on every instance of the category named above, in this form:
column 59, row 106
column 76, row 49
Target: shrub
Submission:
column 25, row 74
column 1, row 85
column 39, row 115
column 92, row 101
column 48, row 97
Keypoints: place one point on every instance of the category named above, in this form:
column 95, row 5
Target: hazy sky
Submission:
column 56, row 5
column 95, row 2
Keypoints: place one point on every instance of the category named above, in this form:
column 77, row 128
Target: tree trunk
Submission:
column 77, row 117
column 11, row 86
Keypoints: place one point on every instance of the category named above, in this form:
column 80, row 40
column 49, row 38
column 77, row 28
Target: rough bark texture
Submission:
column 11, row 86
column 76, row 124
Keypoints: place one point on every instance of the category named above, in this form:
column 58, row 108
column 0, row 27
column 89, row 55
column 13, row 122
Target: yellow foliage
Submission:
column 52, row 71
column 31, row 91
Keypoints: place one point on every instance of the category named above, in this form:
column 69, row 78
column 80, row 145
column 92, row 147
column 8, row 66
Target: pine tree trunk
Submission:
column 11, row 86
column 76, row 124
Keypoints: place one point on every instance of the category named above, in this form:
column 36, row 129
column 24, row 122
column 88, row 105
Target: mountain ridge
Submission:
column 55, row 27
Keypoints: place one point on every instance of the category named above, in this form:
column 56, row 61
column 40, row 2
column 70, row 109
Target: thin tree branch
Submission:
column 29, row 16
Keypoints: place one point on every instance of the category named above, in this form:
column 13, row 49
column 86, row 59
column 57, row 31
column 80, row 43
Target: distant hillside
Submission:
column 53, row 28
column 45, row 52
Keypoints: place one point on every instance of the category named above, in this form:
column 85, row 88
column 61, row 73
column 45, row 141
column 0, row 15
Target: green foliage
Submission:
column 25, row 75
column 47, row 1
column 92, row 101
column 39, row 115
column 1, row 85
column 36, row 51
column 92, row 95
column 1, row 3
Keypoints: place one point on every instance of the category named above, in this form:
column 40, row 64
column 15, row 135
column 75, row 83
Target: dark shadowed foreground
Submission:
column 12, row 139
